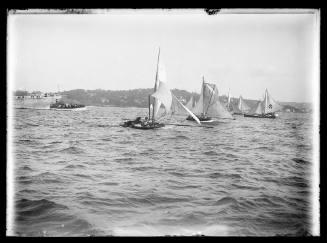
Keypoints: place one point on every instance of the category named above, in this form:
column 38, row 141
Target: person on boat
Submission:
column 145, row 122
column 130, row 123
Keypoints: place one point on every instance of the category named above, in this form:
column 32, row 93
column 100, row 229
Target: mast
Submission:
column 211, row 97
column 203, row 94
column 228, row 99
column 266, row 100
column 155, row 86
column 149, row 108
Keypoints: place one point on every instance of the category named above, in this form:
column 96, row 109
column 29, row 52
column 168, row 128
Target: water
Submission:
column 79, row 174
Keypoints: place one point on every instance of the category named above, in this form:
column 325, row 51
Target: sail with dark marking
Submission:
column 269, row 104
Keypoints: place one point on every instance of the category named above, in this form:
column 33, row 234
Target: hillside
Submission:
column 139, row 98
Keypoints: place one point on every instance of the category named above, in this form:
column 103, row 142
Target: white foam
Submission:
column 145, row 230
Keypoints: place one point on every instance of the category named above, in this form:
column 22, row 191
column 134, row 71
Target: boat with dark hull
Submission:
column 161, row 96
column 148, row 126
column 66, row 106
column 36, row 100
column 241, row 108
column 209, row 108
column 268, row 115
column 266, row 108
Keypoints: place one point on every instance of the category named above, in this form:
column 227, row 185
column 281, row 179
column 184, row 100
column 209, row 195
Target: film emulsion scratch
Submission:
column 162, row 123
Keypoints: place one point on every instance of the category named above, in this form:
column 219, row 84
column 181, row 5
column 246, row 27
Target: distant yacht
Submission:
column 241, row 107
column 36, row 100
column 265, row 109
column 209, row 105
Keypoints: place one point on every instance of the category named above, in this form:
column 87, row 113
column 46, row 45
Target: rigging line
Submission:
column 210, row 98
column 156, row 86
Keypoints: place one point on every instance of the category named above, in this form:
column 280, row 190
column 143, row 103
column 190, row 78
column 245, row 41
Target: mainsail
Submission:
column 163, row 95
column 228, row 100
column 209, row 103
column 258, row 109
column 198, row 108
column 241, row 107
column 269, row 104
column 189, row 104
column 160, row 78
column 179, row 108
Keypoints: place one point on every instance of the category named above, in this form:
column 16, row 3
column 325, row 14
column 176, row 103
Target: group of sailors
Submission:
column 143, row 122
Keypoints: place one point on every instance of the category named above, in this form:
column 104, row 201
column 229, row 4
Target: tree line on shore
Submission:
column 136, row 98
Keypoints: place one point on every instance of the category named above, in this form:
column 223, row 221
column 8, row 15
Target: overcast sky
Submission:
column 117, row 50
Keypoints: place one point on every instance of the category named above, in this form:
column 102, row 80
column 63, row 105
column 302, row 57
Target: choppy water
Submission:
column 78, row 174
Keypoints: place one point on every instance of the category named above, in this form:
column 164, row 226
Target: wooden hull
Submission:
column 139, row 125
column 147, row 127
column 202, row 119
column 271, row 116
column 69, row 109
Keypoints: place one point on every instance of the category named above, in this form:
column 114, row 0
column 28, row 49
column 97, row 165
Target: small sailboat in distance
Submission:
column 241, row 108
column 266, row 108
column 209, row 106
column 229, row 106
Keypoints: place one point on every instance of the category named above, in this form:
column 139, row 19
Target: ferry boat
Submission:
column 36, row 100
column 67, row 106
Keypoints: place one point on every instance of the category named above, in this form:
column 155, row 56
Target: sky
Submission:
column 117, row 50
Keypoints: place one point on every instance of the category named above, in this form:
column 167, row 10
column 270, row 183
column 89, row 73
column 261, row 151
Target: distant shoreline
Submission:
column 138, row 98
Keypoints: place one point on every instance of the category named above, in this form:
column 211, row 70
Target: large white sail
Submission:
column 198, row 108
column 160, row 77
column 216, row 108
column 209, row 103
column 178, row 107
column 270, row 105
column 258, row 109
column 189, row 104
column 164, row 96
column 242, row 106
column 228, row 100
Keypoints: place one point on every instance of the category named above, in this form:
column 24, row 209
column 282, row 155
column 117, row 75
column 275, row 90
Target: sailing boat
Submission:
column 265, row 109
column 161, row 96
column 228, row 105
column 189, row 104
column 241, row 107
column 209, row 106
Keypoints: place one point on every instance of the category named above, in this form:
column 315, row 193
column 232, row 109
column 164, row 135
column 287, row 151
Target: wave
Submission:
column 74, row 166
column 178, row 137
column 172, row 230
column 26, row 208
column 72, row 150
column 215, row 175
column 225, row 200
column 47, row 218
column 244, row 187
column 83, row 176
column 123, row 159
column 25, row 167
column 211, row 152
column 300, row 161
